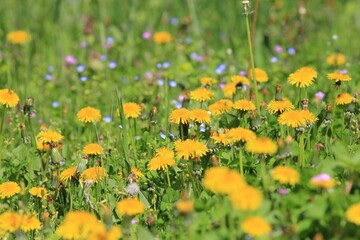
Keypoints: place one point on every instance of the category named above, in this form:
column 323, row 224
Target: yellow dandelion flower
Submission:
column 279, row 106
column 200, row 116
column 343, row 98
column 68, row 174
column 353, row 214
column 336, row 59
column 222, row 180
column 285, row 175
column 80, row 225
column 8, row 98
column 9, row 189
column 201, row 95
column 89, row 115
column 292, row 118
column 114, row 233
column 303, row 77
column 241, row 135
column 130, row 207
column 40, row 192
column 207, row 81
column 29, row 223
column 93, row 149
column 180, row 116
column 94, row 173
column 244, row 105
column 246, row 198
column 256, row 226
column 260, row 75
column 10, row 221
column 222, row 138
column 18, row 37
column 43, row 146
column 338, row 77
column 308, row 116
column 261, row 145
column 323, row 180
column 163, row 159
column 221, row 106
column 229, row 89
column 238, row 79
column 162, row 37
column 190, row 149
column 185, row 206
column 132, row 110
column 137, row 172
column 49, row 136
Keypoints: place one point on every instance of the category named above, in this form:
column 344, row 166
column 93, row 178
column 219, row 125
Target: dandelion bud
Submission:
column 28, row 107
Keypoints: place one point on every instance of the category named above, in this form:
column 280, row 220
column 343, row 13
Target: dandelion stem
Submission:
column 2, row 119
column 241, row 161
column 166, row 96
column 252, row 61
column 168, row 177
column 33, row 140
column 263, row 172
column 301, row 154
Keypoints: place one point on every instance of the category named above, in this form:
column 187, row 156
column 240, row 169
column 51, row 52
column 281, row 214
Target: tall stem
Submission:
column 2, row 119
column 252, row 61
column 33, row 140
column 241, row 161
column 301, row 154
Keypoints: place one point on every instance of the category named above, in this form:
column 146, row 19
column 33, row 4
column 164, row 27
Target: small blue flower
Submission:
column 107, row 119
column 166, row 65
column 80, row 68
column 158, row 65
column 194, row 55
column 174, row 21
column 110, row 39
column 274, row 59
column 202, row 127
column 172, row 83
column 48, row 77
column 291, row 51
column 162, row 135
column 103, row 57
column 136, row 77
column 83, row 78
column 220, row 68
column 112, row 64
column 55, row 104
column 50, row 68
column 160, row 81
column 188, row 40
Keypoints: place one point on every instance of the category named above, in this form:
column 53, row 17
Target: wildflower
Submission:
column 185, row 206
column 336, row 59
column 229, row 89
column 190, row 149
column 137, row 172
column 240, row 80
column 279, row 106
column 320, row 95
column 130, row 207
column 43, row 146
column 241, row 135
column 29, row 223
column 200, row 116
column 201, row 95
column 10, row 221
column 261, row 145
column 303, row 77
column 163, row 159
column 18, row 37
column 260, row 75
column 343, row 98
column 131, row 110
column 256, row 226
column 338, row 77
column 89, row 115
column 94, row 173
column 132, row 189
column 207, row 81
column 285, row 175
column 40, row 192
column 68, row 174
column 221, row 106
column 9, row 189
column 8, row 98
column 93, row 149
column 71, row 60
column 80, row 225
column 222, row 138
column 162, row 37
column 222, row 180
column 353, row 214
column 292, row 118
column 114, row 233
column 49, row 136
column 244, row 105
column 180, row 116
column 322, row 180
column 246, row 198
